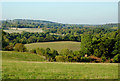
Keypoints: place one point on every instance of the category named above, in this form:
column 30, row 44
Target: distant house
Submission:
column 85, row 55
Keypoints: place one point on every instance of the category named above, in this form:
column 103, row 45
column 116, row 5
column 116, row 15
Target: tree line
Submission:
column 10, row 39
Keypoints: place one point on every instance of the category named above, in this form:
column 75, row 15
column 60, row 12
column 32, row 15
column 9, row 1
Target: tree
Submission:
column 53, row 54
column 40, row 51
column 9, row 48
column 103, row 58
column 61, row 58
column 33, row 51
column 97, row 52
column 66, row 52
column 116, row 58
column 20, row 47
column 86, row 44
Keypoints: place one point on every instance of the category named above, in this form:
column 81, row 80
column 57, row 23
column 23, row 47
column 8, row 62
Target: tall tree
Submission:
column 86, row 43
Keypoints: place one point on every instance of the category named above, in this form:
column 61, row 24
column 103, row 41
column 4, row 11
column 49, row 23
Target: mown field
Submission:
column 27, row 68
column 55, row 45
column 19, row 30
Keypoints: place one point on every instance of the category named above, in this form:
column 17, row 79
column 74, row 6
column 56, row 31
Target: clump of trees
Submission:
column 49, row 54
column 65, row 55
column 10, row 39
column 105, row 46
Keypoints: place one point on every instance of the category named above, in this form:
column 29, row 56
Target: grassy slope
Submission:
column 19, row 56
column 55, row 45
column 22, row 69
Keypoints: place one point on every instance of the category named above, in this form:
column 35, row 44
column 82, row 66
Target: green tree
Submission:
column 86, row 44
column 20, row 47
column 40, row 51
column 97, row 52
column 66, row 52
column 103, row 58
column 33, row 51
column 116, row 58
column 61, row 58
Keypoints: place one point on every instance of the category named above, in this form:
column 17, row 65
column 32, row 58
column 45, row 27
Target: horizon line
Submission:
column 61, row 22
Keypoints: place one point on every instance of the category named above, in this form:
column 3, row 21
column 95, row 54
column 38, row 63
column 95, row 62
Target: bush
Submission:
column 66, row 52
column 61, row 58
column 53, row 54
column 103, row 58
column 40, row 51
column 20, row 47
column 97, row 53
column 9, row 48
column 116, row 58
column 85, row 59
column 33, row 51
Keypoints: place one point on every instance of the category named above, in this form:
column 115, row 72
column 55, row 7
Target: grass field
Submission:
column 13, row 68
column 55, row 45
column 19, row 30
column 19, row 56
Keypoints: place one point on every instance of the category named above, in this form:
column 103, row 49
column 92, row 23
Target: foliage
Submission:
column 85, row 59
column 103, row 58
column 33, row 51
column 86, row 44
column 40, row 51
column 20, row 47
column 98, row 40
column 61, row 58
column 116, row 58
column 9, row 48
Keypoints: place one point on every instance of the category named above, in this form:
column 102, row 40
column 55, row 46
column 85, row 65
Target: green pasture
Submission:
column 24, row 66
column 55, row 45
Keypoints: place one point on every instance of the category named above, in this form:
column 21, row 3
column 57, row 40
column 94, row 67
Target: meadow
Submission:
column 20, row 30
column 55, row 45
column 27, row 68
column 19, row 56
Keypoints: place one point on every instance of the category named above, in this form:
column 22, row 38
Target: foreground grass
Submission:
column 55, row 45
column 17, row 65
column 36, row 70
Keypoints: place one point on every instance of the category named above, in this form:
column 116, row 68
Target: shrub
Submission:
column 40, row 51
column 9, row 48
column 33, row 51
column 97, row 52
column 116, row 58
column 61, row 58
column 20, row 47
column 66, row 52
column 85, row 59
column 103, row 58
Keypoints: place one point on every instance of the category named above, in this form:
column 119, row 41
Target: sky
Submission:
column 62, row 12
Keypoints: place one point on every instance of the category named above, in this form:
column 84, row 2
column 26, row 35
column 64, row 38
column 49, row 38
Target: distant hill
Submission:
column 31, row 21
column 28, row 23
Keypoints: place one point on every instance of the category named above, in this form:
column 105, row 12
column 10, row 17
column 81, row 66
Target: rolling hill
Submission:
column 55, row 45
